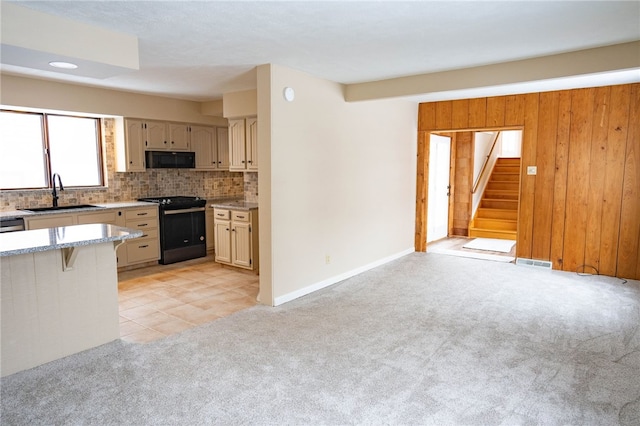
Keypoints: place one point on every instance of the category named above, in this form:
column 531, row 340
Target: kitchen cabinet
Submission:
column 147, row 247
column 236, row 237
column 222, row 139
column 243, row 144
column 211, row 147
column 179, row 136
column 155, row 133
column 133, row 148
column 138, row 250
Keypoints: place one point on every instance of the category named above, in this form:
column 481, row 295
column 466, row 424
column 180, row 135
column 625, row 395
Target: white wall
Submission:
column 52, row 95
column 341, row 182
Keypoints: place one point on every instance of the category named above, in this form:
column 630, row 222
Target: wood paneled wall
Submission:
column 582, row 209
column 462, row 182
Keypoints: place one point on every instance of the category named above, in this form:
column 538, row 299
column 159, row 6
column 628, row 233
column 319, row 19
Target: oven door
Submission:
column 183, row 234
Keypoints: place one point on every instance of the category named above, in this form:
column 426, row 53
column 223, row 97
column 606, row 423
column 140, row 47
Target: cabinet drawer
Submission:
column 142, row 250
column 148, row 233
column 143, row 224
column 240, row 216
column 220, row 214
column 141, row 213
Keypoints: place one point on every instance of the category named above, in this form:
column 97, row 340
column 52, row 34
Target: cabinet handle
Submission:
column 144, row 235
column 144, row 246
column 142, row 214
column 227, row 229
column 240, row 217
column 144, row 224
column 250, row 162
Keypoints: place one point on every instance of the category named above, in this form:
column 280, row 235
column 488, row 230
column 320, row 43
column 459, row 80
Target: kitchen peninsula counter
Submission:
column 23, row 242
column 59, row 292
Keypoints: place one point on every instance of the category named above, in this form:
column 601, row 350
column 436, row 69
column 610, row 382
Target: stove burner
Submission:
column 176, row 201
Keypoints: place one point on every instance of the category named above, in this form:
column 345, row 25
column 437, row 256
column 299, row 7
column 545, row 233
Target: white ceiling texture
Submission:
column 198, row 50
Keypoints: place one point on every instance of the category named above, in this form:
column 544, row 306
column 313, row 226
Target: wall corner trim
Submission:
column 341, row 277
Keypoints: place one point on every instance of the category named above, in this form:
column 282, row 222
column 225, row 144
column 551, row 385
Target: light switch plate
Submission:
column 532, row 170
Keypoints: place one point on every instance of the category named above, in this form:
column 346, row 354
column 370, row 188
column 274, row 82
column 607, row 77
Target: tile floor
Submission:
column 161, row 300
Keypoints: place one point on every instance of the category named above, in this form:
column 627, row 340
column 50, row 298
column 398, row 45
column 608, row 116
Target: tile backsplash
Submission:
column 251, row 187
column 131, row 186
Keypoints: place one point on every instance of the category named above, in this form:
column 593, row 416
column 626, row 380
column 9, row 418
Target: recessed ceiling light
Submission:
column 64, row 65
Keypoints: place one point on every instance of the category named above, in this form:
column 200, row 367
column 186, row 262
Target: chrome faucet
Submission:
column 54, row 192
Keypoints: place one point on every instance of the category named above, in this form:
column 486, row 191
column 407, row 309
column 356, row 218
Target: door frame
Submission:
column 422, row 178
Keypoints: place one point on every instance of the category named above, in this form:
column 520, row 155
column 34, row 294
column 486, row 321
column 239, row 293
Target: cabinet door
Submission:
column 52, row 221
column 203, row 143
column 134, row 145
column 156, row 137
column 178, row 137
column 108, row 217
column 241, row 244
column 237, row 145
column 222, row 236
column 252, row 143
column 223, row 148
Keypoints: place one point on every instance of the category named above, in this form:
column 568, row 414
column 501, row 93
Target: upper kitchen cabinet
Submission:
column 130, row 148
column 243, row 144
column 211, row 147
column 167, row 136
column 178, row 136
column 155, row 133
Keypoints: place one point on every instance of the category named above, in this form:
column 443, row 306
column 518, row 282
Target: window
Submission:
column 33, row 146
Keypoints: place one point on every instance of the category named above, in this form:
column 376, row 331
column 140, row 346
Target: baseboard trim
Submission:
column 336, row 279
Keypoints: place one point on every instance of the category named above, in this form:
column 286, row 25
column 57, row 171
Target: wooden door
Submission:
column 252, row 143
column 222, row 236
column 156, row 135
column 223, row 148
column 237, row 155
column 134, row 145
column 179, row 137
column 241, row 244
column 203, row 143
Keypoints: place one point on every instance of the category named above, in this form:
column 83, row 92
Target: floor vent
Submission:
column 532, row 262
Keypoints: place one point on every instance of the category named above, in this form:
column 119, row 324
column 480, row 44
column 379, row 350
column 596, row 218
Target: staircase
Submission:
column 497, row 215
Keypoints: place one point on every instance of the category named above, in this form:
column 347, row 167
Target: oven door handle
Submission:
column 179, row 211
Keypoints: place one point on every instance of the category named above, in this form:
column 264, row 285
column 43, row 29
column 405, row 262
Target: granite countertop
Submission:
column 234, row 205
column 15, row 214
column 23, row 242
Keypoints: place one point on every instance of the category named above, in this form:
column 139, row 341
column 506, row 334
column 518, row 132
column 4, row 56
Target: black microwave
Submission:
column 170, row 160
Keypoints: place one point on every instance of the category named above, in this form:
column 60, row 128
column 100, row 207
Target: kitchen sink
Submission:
column 58, row 208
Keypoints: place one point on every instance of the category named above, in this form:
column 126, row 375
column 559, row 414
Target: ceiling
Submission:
column 198, row 50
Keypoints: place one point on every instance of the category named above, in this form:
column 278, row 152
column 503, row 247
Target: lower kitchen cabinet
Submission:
column 147, row 247
column 131, row 252
column 236, row 237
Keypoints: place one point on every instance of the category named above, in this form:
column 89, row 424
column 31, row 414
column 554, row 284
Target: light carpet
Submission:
column 490, row 244
column 427, row 339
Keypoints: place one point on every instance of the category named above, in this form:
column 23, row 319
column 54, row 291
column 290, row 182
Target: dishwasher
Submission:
column 11, row 225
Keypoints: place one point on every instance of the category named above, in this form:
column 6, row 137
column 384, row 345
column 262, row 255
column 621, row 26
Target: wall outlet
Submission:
column 327, row 259
column 532, row 170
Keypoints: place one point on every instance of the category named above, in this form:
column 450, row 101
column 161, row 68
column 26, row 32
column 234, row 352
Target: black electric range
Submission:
column 182, row 227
